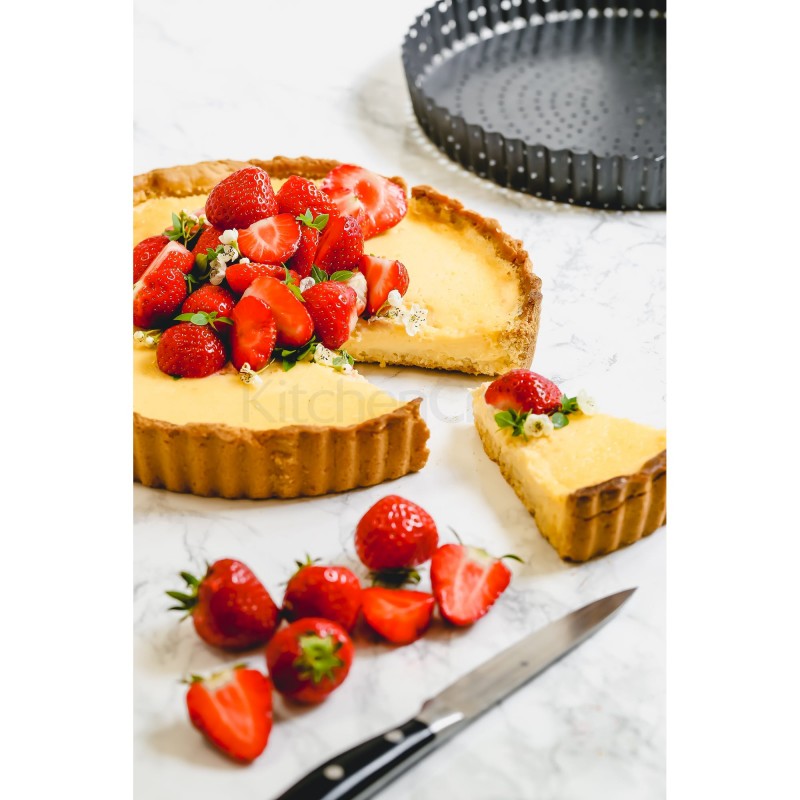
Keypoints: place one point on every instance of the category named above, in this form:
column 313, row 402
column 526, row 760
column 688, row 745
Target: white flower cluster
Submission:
column 326, row 357
column 413, row 319
column 227, row 255
column 537, row 425
column 307, row 283
column 192, row 217
column 586, row 403
column 249, row 376
column 143, row 337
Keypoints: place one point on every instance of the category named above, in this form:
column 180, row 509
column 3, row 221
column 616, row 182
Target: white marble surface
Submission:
column 319, row 78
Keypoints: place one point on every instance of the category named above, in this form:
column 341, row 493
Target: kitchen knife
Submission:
column 359, row 773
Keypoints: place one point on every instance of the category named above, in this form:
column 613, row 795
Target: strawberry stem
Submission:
column 318, row 657
column 394, row 578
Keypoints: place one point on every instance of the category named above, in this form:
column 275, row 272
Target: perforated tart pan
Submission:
column 561, row 99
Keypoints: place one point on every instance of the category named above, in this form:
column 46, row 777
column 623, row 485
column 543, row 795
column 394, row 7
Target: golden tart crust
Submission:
column 300, row 460
column 294, row 461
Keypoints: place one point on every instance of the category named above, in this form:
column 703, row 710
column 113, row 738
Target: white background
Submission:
column 733, row 288
column 594, row 725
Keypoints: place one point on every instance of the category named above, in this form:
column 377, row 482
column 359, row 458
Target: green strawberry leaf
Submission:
column 569, row 405
column 342, row 275
column 559, row 420
column 319, row 275
column 513, row 420
column 342, row 360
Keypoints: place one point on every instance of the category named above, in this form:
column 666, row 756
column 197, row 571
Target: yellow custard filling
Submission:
column 588, row 451
column 308, row 394
column 471, row 294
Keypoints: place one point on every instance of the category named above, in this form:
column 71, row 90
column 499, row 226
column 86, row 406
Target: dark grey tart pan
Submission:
column 562, row 99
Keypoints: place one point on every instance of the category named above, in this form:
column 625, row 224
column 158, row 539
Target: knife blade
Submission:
column 360, row 772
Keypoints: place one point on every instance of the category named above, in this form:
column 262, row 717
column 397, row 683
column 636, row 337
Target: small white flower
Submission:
column 217, row 274
column 324, row 356
column 189, row 215
column 203, row 219
column 138, row 336
column 150, row 341
column 307, row 283
column 537, row 425
column 249, row 376
column 415, row 319
column 395, row 299
column 230, row 236
column 586, row 403
column 228, row 254
column 244, row 260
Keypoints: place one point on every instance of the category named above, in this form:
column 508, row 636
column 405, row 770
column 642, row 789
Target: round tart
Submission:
column 313, row 430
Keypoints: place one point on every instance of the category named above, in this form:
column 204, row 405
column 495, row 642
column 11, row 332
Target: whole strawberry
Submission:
column 341, row 245
column 298, row 195
column 210, row 299
column 318, row 591
column 241, row 199
column 187, row 350
column 145, row 252
column 308, row 659
column 229, row 606
column 333, row 307
column 523, row 390
column 233, row 710
column 395, row 534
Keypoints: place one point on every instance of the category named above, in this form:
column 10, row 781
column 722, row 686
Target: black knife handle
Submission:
column 362, row 770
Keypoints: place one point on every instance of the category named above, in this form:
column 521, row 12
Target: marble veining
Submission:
column 593, row 726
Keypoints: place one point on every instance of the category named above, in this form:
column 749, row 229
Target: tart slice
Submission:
column 593, row 482
column 256, row 292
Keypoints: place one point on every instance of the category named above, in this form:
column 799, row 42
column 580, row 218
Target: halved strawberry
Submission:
column 466, row 582
column 376, row 202
column 341, row 244
column 240, row 276
column 382, row 276
column 241, row 199
column 332, row 306
column 233, row 709
column 293, row 322
column 272, row 240
column 145, row 252
column 399, row 615
column 303, row 258
column 298, row 195
column 161, row 289
column 211, row 299
column 187, row 350
column 254, row 333
column 524, row 390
